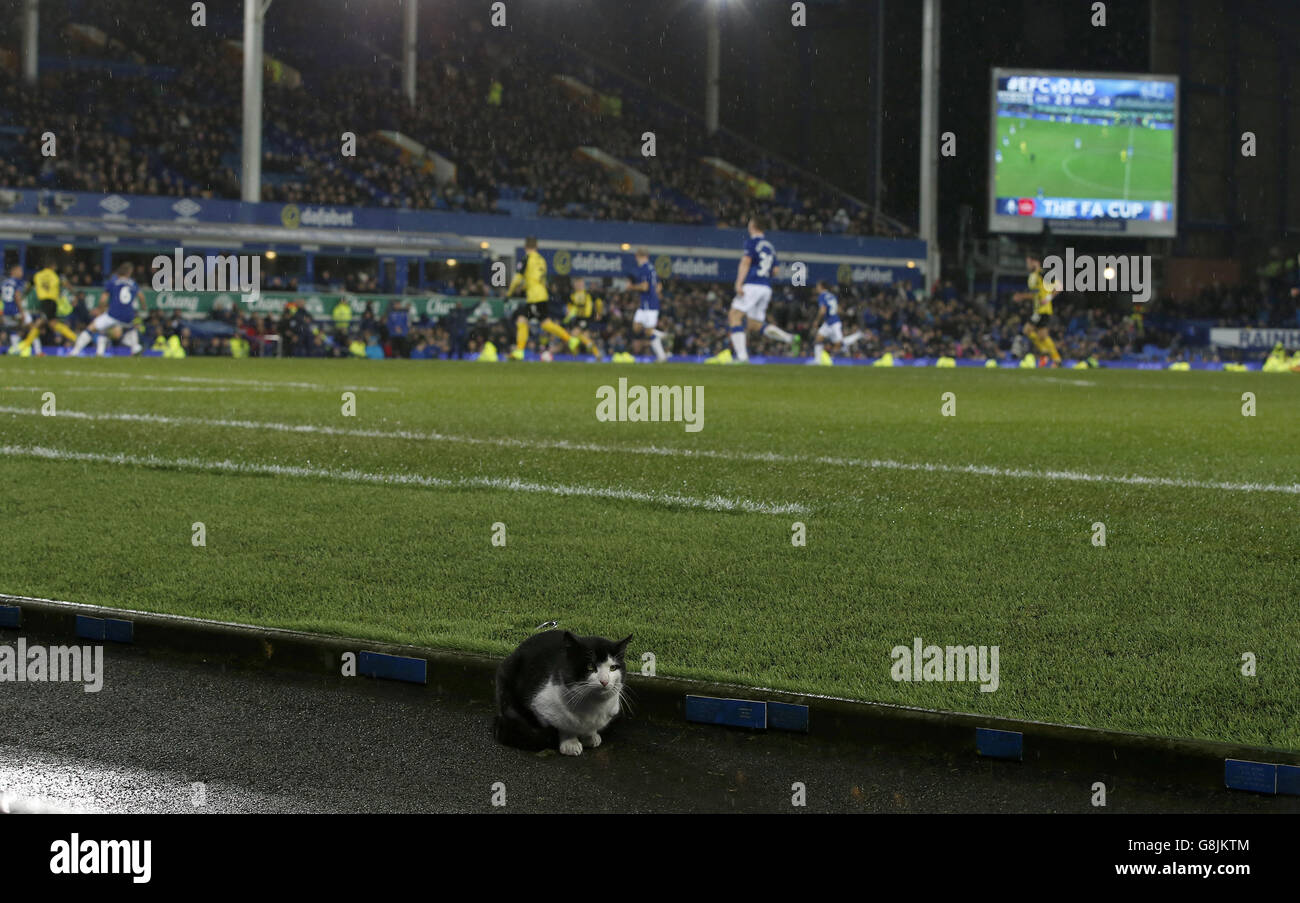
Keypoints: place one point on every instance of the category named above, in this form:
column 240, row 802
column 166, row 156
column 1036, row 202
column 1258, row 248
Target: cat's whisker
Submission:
column 575, row 692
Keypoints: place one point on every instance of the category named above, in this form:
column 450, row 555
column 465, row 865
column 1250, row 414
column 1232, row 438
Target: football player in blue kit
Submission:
column 13, row 318
column 646, row 319
column 828, row 329
column 758, row 267
column 121, row 292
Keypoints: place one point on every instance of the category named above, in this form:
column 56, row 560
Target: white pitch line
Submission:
column 507, row 484
column 1067, row 381
column 46, row 388
column 667, row 451
column 266, row 383
column 1128, row 163
column 1065, row 167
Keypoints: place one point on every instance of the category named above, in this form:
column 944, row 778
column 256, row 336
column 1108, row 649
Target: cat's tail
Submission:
column 513, row 729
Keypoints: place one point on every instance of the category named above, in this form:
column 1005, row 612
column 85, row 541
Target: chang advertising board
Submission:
column 321, row 306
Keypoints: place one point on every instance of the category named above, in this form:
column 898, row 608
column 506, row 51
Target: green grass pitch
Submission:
column 974, row 529
column 1094, row 170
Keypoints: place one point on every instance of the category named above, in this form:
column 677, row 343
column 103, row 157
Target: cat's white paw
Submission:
column 591, row 740
column 571, row 746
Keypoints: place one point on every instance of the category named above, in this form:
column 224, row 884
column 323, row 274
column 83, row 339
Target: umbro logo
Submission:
column 115, row 203
column 186, row 208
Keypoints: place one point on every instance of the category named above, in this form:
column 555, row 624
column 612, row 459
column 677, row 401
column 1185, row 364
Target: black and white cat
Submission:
column 557, row 688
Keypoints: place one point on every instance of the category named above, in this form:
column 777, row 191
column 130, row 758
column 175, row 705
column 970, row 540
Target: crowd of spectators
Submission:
column 513, row 133
column 895, row 319
column 119, row 135
column 507, row 125
column 911, row 324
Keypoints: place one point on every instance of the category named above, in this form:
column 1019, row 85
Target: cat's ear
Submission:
column 570, row 639
column 621, row 645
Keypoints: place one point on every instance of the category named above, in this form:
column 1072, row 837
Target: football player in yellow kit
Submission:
column 583, row 310
column 538, row 307
column 46, row 285
column 1041, row 292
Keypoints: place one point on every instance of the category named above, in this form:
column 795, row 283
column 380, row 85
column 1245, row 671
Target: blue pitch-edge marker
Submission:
column 393, row 667
column 89, row 628
column 785, row 716
column 11, row 616
column 119, row 631
column 999, row 744
column 114, row 629
column 1257, row 777
column 1288, row 779
column 731, row 712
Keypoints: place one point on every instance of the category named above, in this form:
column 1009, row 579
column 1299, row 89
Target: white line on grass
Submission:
column 507, row 484
column 267, row 383
column 1069, row 174
column 1128, row 163
column 1067, row 381
column 46, row 388
column 670, row 452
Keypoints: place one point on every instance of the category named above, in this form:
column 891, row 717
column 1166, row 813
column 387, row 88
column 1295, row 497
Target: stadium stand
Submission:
column 554, row 134
column 512, row 131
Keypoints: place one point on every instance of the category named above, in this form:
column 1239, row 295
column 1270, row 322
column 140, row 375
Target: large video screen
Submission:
column 1078, row 152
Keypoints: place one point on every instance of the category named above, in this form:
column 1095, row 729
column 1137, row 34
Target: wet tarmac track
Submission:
column 171, row 735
